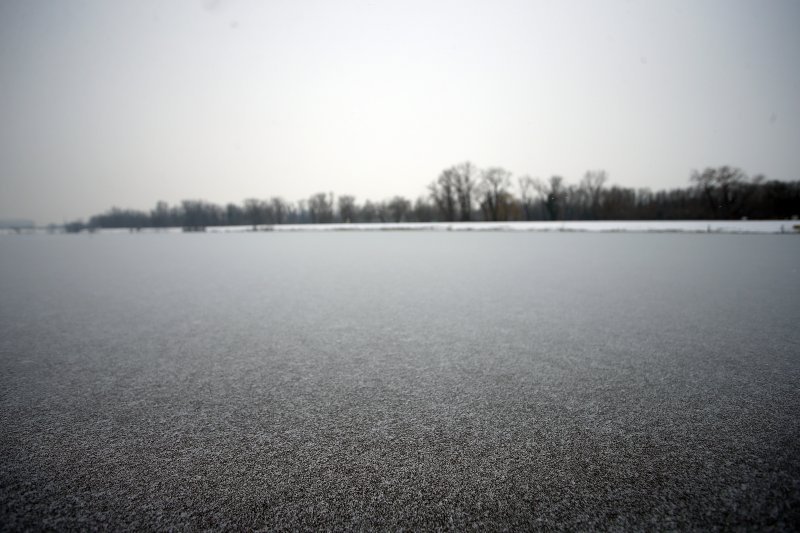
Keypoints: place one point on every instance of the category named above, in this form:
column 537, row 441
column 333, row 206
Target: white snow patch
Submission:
column 638, row 226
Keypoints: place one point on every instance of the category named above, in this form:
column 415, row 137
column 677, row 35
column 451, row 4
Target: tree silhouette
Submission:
column 722, row 192
column 495, row 198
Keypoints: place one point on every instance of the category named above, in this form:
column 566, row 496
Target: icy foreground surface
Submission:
column 357, row 380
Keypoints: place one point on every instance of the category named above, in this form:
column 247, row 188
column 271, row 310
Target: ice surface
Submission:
column 415, row 380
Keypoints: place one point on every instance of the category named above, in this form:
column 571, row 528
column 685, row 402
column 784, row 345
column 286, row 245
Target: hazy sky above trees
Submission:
column 128, row 102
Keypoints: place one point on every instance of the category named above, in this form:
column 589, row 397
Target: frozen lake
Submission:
column 400, row 379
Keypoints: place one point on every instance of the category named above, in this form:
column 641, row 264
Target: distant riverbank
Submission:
column 635, row 226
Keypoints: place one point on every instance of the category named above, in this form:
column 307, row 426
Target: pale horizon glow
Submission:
column 127, row 103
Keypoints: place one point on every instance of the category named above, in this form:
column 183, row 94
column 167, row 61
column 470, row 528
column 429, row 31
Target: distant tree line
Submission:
column 466, row 193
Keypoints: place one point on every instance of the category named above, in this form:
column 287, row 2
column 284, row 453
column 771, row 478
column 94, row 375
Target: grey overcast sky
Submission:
column 124, row 103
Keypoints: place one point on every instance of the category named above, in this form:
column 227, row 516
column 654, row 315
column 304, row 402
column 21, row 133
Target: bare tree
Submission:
column 592, row 186
column 369, row 212
column 398, row 207
column 348, row 211
column 255, row 212
column 619, row 203
column 280, row 209
column 495, row 198
column 553, row 194
column 452, row 191
column 234, row 215
column 724, row 189
column 382, row 212
column 161, row 215
column 443, row 193
column 320, row 208
column 297, row 213
column 527, row 193
column 423, row 210
column 723, row 192
column 465, row 176
column 197, row 214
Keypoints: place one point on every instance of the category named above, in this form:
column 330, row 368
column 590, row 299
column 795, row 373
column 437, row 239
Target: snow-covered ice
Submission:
column 686, row 226
column 638, row 226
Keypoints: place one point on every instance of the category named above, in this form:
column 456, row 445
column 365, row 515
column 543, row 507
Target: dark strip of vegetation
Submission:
column 466, row 193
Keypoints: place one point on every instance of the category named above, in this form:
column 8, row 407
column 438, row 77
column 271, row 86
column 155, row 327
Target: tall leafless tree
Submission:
column 443, row 193
column 554, row 195
column 348, row 211
column 280, row 209
column 398, row 209
column 592, row 186
column 495, row 198
column 255, row 211
column 724, row 189
column 320, row 208
column 465, row 175
column 527, row 196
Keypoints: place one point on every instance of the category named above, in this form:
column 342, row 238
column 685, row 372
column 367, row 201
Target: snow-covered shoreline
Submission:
column 636, row 226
